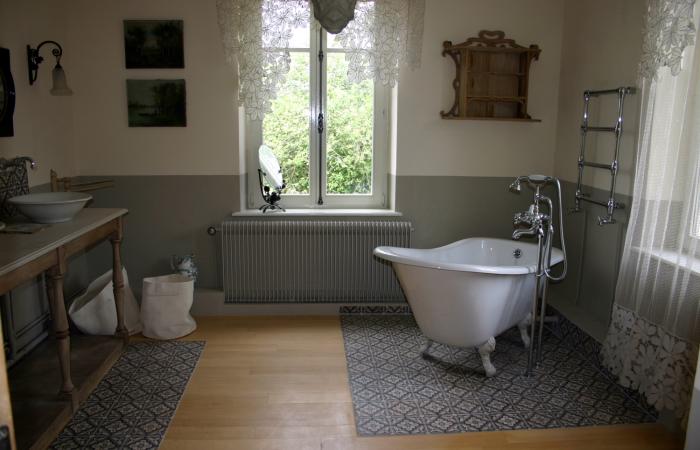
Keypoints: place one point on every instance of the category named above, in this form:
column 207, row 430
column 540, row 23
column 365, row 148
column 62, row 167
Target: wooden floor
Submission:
column 282, row 383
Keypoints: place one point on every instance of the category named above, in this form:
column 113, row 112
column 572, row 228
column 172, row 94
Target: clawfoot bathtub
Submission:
column 466, row 293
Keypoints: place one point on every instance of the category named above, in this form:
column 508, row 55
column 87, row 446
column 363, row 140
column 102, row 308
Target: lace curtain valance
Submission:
column 383, row 36
column 668, row 30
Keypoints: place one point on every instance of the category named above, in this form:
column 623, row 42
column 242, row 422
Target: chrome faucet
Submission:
column 536, row 221
column 539, row 225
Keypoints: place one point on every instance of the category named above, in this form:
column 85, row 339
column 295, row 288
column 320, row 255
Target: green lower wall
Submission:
column 169, row 215
column 594, row 258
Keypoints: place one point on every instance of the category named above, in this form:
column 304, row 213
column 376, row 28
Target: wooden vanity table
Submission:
column 45, row 390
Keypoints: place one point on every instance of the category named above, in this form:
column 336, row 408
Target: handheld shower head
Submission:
column 539, row 180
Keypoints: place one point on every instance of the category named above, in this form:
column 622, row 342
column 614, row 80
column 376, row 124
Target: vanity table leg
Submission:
column 118, row 282
column 60, row 324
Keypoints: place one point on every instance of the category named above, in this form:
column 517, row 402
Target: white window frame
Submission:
column 317, row 144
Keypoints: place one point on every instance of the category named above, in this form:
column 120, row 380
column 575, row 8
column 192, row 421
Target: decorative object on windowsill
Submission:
column 7, row 95
column 492, row 75
column 156, row 103
column 60, row 85
column 184, row 265
column 68, row 184
column 14, row 181
column 153, row 44
column 271, row 172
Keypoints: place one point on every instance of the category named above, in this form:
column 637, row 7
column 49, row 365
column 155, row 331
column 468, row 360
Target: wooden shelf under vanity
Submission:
column 39, row 412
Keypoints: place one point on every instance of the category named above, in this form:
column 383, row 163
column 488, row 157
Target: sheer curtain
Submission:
column 652, row 341
column 384, row 36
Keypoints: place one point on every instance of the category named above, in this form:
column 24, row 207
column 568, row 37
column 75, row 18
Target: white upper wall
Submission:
column 429, row 145
column 585, row 45
column 104, row 143
column 601, row 50
column 42, row 123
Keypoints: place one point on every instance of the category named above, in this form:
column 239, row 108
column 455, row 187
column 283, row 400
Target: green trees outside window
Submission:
column 348, row 127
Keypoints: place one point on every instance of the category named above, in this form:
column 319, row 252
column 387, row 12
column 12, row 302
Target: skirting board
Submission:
column 210, row 302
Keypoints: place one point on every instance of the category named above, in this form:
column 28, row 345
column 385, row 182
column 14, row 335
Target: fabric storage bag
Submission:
column 165, row 306
column 95, row 312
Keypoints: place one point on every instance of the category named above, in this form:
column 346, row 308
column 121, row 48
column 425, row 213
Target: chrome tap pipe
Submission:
column 540, row 226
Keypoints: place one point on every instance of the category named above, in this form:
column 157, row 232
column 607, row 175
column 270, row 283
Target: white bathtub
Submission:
column 466, row 293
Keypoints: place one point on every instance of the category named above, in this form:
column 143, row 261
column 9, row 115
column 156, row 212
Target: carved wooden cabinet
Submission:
column 492, row 75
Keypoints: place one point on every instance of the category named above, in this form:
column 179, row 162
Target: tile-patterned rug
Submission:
column 396, row 391
column 133, row 404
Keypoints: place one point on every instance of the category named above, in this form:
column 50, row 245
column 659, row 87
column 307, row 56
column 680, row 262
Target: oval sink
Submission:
column 51, row 207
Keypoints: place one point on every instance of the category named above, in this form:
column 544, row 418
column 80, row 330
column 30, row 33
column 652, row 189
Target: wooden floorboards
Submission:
column 282, row 383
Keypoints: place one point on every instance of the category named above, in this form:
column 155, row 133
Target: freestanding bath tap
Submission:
column 539, row 225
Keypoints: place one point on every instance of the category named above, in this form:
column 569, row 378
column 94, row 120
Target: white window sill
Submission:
column 319, row 212
column 670, row 257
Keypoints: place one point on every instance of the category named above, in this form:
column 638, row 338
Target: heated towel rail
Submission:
column 613, row 167
column 298, row 261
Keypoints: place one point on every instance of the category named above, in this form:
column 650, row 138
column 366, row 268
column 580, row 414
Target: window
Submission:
column 329, row 134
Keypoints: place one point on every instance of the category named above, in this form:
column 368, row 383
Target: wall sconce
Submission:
column 60, row 86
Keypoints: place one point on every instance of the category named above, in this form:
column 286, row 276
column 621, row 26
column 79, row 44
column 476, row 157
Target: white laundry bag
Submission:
column 95, row 312
column 165, row 306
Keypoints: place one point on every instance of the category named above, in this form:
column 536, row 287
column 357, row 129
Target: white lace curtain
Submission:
column 383, row 36
column 652, row 341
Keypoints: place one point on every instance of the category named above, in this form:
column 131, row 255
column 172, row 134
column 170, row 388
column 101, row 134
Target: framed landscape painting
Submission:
column 156, row 103
column 153, row 44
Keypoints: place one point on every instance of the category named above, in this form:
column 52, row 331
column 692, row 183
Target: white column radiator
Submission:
column 296, row 261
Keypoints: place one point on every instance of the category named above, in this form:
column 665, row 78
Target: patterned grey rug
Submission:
column 132, row 406
column 396, row 391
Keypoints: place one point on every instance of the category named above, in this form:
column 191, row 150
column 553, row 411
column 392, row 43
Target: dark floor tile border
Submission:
column 376, row 309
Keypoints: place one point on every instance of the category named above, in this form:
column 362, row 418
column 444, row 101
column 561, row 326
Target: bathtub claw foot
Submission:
column 485, row 351
column 424, row 351
column 522, row 326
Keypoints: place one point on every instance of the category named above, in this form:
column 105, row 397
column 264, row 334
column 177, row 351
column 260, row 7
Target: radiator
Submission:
column 295, row 261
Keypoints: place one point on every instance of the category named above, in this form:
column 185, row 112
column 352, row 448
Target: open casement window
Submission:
column 331, row 135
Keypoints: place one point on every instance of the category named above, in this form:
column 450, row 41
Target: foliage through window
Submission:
column 337, row 166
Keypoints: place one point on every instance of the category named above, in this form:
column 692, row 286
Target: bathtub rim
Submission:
column 394, row 255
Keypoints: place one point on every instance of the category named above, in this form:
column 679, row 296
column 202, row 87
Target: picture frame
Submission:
column 154, row 44
column 156, row 102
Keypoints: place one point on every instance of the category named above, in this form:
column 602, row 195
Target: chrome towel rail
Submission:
column 613, row 167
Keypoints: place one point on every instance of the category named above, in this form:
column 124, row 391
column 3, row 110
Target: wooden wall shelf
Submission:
column 492, row 75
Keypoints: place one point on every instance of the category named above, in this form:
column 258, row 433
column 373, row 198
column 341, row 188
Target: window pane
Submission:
column 301, row 37
column 332, row 41
column 286, row 128
column 349, row 135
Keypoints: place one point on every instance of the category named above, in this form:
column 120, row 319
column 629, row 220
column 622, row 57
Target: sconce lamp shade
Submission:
column 60, row 86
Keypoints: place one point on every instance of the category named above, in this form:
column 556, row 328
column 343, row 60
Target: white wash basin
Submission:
column 51, row 207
